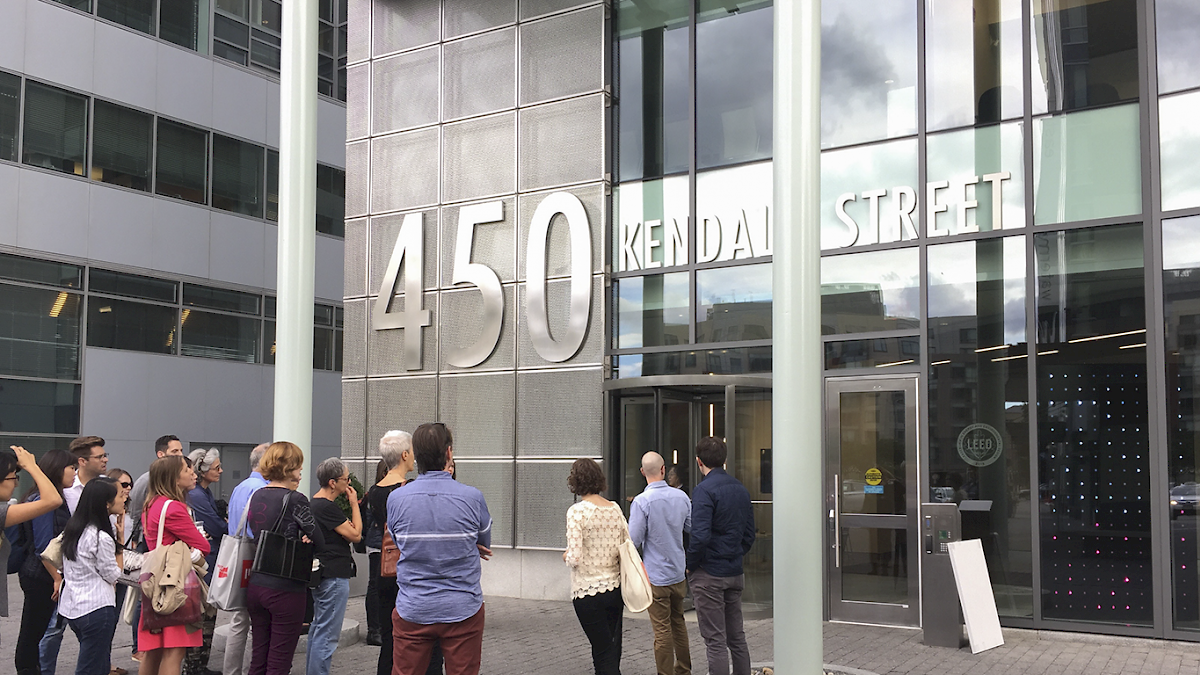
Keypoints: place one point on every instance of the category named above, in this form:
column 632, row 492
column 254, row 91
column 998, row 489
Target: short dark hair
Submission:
column 82, row 447
column 712, row 452
column 431, row 446
column 587, row 478
column 163, row 441
column 8, row 464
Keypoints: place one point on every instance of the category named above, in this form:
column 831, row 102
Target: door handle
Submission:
column 837, row 522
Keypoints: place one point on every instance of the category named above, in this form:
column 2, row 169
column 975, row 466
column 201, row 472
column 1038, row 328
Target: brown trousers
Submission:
column 412, row 645
column 671, row 653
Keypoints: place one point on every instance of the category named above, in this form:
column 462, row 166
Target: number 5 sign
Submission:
column 408, row 252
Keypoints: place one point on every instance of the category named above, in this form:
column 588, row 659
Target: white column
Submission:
column 797, row 418
column 297, row 230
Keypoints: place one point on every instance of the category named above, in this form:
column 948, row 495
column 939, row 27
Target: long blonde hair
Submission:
column 164, row 481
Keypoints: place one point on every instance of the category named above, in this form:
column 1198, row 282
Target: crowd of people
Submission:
column 92, row 547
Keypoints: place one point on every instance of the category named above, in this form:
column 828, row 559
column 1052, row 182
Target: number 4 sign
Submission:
column 409, row 253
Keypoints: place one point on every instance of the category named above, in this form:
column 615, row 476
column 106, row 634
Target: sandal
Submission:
column 118, row 671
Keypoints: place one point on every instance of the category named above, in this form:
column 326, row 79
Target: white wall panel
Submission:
column 185, row 85
column 239, row 103
column 330, row 267
column 236, row 249
column 180, row 238
column 116, row 398
column 12, row 34
column 270, row 255
column 52, row 214
column 58, row 45
column 124, row 67
column 10, row 183
column 233, row 399
column 122, row 227
column 273, row 114
column 331, row 133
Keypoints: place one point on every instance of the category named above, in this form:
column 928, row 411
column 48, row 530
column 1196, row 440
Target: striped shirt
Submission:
column 89, row 579
column 436, row 523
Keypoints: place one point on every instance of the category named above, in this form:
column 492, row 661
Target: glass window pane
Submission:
column 868, row 71
column 972, row 62
column 1181, row 310
column 237, row 176
column 268, row 342
column 238, row 8
column 868, row 292
column 653, row 229
column 221, row 298
column 55, row 129
column 269, row 306
column 734, row 213
column 869, row 194
column 323, row 348
column 1179, row 144
column 264, row 54
column 137, row 14
column 39, row 407
column 224, row 51
column 654, row 121
column 121, row 146
column 733, row 81
column 331, row 200
column 82, row 5
column 652, row 311
column 266, row 14
column 10, row 106
column 219, row 336
column 878, row 353
column 323, row 315
column 40, row 271
column 733, row 303
column 978, row 390
column 182, row 165
column 1087, row 165
column 179, row 23
column 1084, row 54
column 137, row 326
column 231, row 31
column 735, row 361
column 39, row 332
column 1175, row 34
column 273, row 185
column 1093, row 446
column 131, row 285
column 970, row 169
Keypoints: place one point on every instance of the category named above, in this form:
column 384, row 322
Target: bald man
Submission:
column 658, row 518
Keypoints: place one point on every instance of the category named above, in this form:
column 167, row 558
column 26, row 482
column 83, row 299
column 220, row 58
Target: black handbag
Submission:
column 279, row 556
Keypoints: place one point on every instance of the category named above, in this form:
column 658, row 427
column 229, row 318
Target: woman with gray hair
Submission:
column 337, row 562
column 207, row 465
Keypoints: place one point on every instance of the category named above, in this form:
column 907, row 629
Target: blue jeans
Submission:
column 50, row 643
column 95, row 633
column 329, row 608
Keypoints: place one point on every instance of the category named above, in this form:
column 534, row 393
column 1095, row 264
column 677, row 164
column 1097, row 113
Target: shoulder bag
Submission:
column 635, row 584
column 231, row 573
column 170, row 596
column 279, row 556
column 389, row 553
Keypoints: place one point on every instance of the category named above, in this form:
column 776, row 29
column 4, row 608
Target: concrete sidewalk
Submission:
column 525, row 636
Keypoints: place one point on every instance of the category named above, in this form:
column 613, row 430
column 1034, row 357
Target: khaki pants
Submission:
column 671, row 654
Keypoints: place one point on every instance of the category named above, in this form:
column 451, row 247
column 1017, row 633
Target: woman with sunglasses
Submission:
column 124, row 482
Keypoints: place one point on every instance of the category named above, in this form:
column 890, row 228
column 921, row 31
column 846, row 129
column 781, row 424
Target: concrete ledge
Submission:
column 348, row 636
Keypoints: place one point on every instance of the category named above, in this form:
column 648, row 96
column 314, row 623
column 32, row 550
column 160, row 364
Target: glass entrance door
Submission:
column 871, row 476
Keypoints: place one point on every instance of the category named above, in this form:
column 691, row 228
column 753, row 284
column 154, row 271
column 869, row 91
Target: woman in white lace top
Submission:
column 595, row 529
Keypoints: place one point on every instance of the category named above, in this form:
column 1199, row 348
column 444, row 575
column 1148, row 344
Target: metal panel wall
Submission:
column 473, row 102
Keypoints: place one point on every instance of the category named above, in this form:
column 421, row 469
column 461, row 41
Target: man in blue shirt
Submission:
column 239, row 624
column 722, row 533
column 442, row 529
column 657, row 520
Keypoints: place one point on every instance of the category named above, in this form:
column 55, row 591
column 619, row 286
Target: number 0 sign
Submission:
column 409, row 253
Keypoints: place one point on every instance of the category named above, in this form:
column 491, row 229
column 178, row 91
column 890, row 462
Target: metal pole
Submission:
column 797, row 418
column 297, row 230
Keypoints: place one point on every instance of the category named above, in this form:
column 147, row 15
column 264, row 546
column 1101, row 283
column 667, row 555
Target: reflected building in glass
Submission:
column 1010, row 302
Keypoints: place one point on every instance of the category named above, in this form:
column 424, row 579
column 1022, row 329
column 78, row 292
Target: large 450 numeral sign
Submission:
column 409, row 252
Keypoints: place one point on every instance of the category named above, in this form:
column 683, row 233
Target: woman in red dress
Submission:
column 170, row 478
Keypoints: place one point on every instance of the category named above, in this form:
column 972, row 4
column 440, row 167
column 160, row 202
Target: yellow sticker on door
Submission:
column 874, row 476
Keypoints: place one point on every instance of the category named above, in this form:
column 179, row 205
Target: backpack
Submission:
column 16, row 536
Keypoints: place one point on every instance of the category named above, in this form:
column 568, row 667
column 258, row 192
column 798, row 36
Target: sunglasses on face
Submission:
column 126, row 485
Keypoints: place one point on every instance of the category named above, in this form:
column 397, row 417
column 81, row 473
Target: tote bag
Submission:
column 231, row 574
column 635, row 585
column 160, row 607
column 279, row 556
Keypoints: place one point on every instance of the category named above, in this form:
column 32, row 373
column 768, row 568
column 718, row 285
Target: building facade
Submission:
column 138, row 200
column 559, row 242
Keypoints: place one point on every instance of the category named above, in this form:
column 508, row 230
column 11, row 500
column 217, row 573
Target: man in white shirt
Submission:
column 92, row 463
